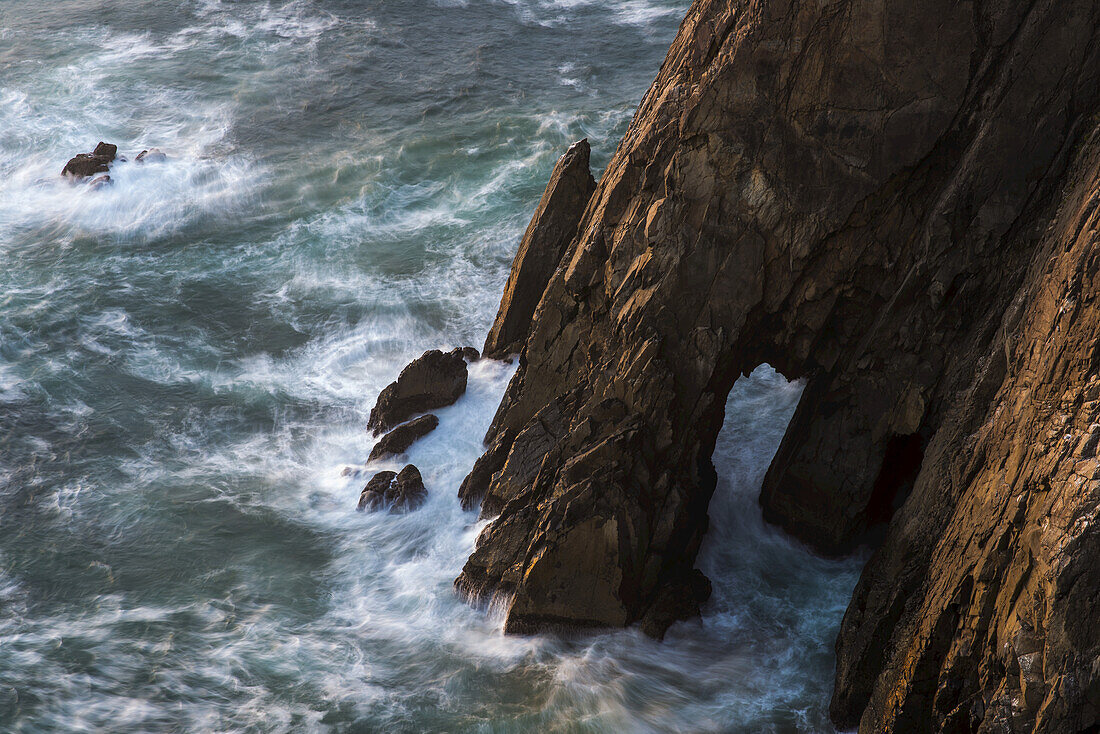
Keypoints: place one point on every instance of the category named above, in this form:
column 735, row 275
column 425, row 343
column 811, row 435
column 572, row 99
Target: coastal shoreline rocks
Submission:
column 399, row 491
column 399, row 439
column 433, row 380
column 896, row 203
column 83, row 166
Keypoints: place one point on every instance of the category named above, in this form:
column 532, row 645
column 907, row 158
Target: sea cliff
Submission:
column 897, row 202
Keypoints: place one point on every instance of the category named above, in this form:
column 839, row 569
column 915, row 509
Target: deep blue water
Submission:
column 188, row 357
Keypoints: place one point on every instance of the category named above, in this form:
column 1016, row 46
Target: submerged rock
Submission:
column 401, row 491
column 552, row 228
column 432, row 380
column 152, row 155
column 100, row 182
column 84, row 165
column 401, row 438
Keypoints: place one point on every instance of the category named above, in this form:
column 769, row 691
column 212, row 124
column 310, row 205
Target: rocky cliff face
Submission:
column 552, row 228
column 896, row 200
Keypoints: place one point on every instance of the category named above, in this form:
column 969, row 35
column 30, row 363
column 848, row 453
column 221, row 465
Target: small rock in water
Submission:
column 432, row 380
column 88, row 164
column 100, row 182
column 401, row 438
column 402, row 492
column 152, row 155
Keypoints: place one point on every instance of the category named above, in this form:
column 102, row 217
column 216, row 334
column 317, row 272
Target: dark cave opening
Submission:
column 900, row 467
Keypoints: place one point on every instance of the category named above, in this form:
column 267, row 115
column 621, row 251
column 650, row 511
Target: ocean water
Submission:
column 188, row 358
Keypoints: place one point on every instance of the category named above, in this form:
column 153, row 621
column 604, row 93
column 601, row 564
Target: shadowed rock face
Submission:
column 84, row 165
column 401, row 491
column 432, row 380
column 401, row 438
column 894, row 200
column 548, row 235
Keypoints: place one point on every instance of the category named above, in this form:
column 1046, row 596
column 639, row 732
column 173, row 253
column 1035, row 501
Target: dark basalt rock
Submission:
column 84, row 165
column 897, row 202
column 105, row 150
column 432, row 380
column 552, row 228
column 401, row 491
column 477, row 481
column 401, row 438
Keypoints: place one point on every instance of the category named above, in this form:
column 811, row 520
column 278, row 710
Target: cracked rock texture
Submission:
column 401, row 438
column 432, row 380
column 897, row 201
column 401, row 491
column 552, row 228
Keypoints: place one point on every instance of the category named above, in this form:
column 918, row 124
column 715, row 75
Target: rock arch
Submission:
column 855, row 192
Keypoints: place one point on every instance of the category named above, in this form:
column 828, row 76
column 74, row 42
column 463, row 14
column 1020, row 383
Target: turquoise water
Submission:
column 188, row 358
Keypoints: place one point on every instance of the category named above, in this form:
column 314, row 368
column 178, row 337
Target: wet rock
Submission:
column 152, row 155
column 401, row 491
column 106, row 150
column 374, row 494
column 680, row 599
column 401, row 438
column 898, row 203
column 432, row 380
column 467, row 353
column 476, row 483
column 552, row 228
column 100, row 182
column 84, row 165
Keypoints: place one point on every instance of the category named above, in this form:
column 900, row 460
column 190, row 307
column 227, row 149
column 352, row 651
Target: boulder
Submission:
column 432, row 380
column 401, row 438
column 100, row 182
column 552, row 228
column 105, row 150
column 83, row 165
column 401, row 491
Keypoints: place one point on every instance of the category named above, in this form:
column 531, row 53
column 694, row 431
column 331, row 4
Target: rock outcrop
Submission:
column 896, row 201
column 401, row 491
column 84, row 165
column 401, row 438
column 432, row 380
column 552, row 228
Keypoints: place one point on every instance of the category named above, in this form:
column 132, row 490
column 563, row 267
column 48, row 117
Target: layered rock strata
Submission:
column 552, row 228
column 401, row 438
column 895, row 201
